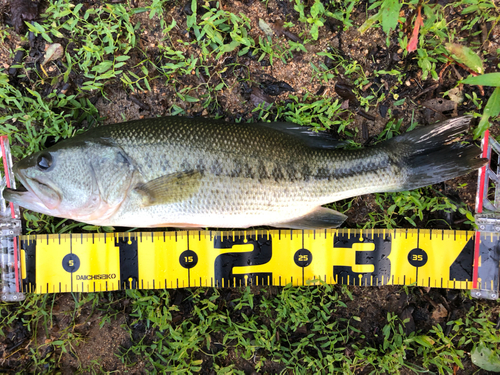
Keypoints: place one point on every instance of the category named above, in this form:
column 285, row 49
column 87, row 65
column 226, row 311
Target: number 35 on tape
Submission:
column 154, row 260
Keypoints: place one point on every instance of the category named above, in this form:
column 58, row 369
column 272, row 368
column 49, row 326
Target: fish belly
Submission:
column 228, row 202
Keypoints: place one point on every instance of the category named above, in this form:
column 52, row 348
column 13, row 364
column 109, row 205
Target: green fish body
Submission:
column 181, row 172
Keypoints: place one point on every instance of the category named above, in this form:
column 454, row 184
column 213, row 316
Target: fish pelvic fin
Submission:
column 319, row 218
column 433, row 154
column 170, row 188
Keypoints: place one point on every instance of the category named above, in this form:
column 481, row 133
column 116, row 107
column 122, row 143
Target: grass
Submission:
column 194, row 59
column 308, row 329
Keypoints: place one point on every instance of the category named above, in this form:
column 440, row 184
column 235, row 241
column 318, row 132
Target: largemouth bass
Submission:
column 181, row 172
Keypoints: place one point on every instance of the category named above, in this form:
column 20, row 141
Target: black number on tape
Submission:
column 224, row 263
column 303, row 257
column 377, row 257
column 188, row 259
column 417, row 257
column 129, row 266
column 71, row 263
column 461, row 269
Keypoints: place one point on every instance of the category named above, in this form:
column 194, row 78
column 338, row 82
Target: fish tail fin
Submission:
column 432, row 154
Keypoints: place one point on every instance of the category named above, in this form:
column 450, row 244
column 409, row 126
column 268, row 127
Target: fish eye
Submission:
column 44, row 161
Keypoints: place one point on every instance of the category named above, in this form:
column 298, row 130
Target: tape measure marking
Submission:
column 104, row 262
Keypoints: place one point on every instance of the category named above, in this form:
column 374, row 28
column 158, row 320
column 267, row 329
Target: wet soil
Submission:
column 79, row 341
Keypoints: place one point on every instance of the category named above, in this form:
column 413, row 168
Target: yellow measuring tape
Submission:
column 154, row 260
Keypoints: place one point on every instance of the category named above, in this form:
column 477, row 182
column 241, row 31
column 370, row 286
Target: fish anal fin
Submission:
column 170, row 188
column 319, row 218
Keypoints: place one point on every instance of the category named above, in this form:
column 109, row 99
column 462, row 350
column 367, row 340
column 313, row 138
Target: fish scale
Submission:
column 255, row 193
column 176, row 171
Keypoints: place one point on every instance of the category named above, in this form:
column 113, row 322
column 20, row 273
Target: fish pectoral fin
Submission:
column 170, row 188
column 320, row 218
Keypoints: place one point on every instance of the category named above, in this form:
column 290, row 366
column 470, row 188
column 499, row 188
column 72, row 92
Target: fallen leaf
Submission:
column 407, row 319
column 486, row 358
column 280, row 30
column 466, row 56
column 53, row 52
column 439, row 312
column 440, row 105
column 265, row 28
column 413, row 43
column 275, row 88
column 258, row 97
column 456, row 95
column 277, row 27
column 18, row 58
column 425, row 341
column 346, row 92
column 369, row 22
column 302, row 330
column 22, row 10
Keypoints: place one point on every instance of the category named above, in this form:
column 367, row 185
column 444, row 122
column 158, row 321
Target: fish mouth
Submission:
column 34, row 195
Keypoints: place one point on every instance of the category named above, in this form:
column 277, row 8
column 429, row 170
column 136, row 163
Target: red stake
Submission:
column 479, row 209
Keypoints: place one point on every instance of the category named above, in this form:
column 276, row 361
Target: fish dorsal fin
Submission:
column 170, row 188
column 307, row 136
